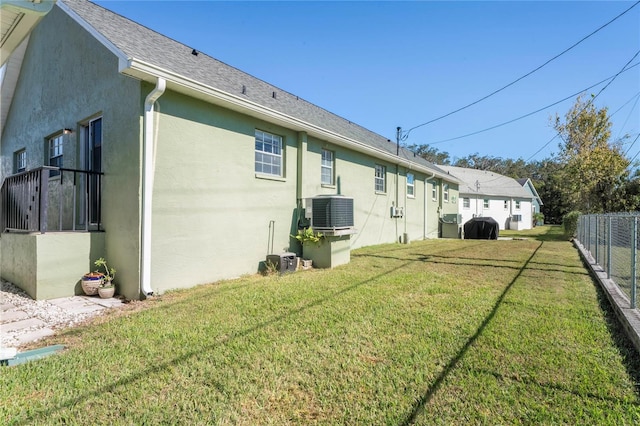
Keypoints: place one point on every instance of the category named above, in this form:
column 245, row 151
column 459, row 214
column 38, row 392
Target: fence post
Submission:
column 588, row 236
column 597, row 240
column 609, row 247
column 44, row 200
column 634, row 250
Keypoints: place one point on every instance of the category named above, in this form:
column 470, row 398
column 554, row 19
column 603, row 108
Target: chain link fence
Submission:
column 613, row 241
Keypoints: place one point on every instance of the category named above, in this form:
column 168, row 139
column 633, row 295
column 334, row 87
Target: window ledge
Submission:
column 270, row 177
column 411, row 196
column 326, row 185
column 381, row 193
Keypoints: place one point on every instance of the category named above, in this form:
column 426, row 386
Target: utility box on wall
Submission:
column 284, row 262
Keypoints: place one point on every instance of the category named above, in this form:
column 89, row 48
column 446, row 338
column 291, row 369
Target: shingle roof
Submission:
column 144, row 44
column 532, row 188
column 482, row 182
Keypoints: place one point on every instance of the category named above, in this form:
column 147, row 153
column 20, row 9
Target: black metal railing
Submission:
column 36, row 201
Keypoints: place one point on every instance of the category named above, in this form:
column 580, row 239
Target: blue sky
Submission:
column 389, row 64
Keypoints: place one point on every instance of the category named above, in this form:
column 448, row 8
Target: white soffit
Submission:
column 17, row 19
column 9, row 79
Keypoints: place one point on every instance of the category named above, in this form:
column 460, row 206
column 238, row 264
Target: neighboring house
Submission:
column 536, row 206
column 488, row 194
column 178, row 168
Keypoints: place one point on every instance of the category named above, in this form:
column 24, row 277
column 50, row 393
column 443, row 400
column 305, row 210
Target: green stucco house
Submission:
column 179, row 169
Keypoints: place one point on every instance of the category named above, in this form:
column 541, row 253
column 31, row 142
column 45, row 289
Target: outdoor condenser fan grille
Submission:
column 331, row 212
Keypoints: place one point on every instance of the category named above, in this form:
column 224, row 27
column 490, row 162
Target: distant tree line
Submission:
column 590, row 174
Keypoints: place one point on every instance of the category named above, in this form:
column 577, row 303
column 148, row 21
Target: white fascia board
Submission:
column 122, row 57
column 149, row 72
column 535, row 193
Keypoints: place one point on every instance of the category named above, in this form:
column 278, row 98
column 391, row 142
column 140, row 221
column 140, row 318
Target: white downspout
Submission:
column 147, row 186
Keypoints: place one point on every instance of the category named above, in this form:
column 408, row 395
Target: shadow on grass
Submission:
column 545, row 233
column 419, row 405
column 485, row 263
column 553, row 386
column 621, row 340
column 73, row 402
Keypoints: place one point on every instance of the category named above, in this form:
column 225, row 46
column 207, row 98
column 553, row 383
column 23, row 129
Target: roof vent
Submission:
column 194, row 52
column 273, row 95
column 244, row 89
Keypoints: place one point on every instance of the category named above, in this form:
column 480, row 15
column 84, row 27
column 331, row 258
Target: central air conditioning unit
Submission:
column 330, row 212
column 452, row 218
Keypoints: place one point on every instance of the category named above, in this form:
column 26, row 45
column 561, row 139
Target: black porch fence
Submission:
column 51, row 199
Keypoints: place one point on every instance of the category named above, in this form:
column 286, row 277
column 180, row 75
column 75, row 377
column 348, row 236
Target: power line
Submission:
column 637, row 96
column 593, row 98
column 543, row 147
column 634, row 157
column 631, row 146
column 534, row 112
column 522, row 77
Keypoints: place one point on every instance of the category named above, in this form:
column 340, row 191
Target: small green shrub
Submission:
column 570, row 224
column 538, row 219
column 307, row 235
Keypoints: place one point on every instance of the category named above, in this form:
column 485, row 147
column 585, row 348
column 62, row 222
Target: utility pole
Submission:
column 398, row 133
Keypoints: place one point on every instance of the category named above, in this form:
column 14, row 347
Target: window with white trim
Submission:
column 381, row 178
column 268, row 154
column 326, row 169
column 434, row 191
column 20, row 161
column 485, row 203
column 466, row 203
column 506, row 204
column 411, row 188
column 55, row 154
column 517, row 204
column 445, row 192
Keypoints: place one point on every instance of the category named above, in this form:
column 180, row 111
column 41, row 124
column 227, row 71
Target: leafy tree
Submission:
column 594, row 168
column 480, row 162
column 548, row 182
column 431, row 154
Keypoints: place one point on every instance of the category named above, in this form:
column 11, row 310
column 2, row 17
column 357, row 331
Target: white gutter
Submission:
column 149, row 72
column 144, row 71
column 147, row 186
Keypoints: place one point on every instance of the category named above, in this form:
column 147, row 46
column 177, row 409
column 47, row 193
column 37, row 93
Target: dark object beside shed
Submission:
column 481, row 228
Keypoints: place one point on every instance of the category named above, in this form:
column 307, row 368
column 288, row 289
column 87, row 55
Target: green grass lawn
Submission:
column 435, row 332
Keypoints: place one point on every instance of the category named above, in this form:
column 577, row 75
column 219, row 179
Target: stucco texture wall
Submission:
column 67, row 78
column 212, row 216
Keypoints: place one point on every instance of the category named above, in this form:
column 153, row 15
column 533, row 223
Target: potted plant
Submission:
column 91, row 282
column 107, row 288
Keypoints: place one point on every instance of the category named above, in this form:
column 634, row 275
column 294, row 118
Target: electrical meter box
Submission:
column 284, row 262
